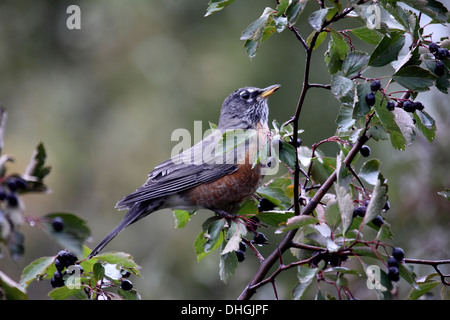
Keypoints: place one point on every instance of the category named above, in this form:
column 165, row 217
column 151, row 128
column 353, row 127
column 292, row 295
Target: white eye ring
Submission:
column 245, row 95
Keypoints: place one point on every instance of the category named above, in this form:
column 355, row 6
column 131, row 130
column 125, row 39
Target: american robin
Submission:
column 202, row 177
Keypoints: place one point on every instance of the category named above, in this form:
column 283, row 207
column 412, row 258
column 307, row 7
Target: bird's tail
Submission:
column 137, row 212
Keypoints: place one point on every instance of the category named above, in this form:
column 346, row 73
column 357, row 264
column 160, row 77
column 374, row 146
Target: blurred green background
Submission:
column 105, row 99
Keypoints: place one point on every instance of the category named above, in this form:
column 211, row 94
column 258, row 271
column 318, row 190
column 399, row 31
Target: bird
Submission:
column 203, row 177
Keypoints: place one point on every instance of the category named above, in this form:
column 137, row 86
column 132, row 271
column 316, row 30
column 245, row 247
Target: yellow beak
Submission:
column 269, row 90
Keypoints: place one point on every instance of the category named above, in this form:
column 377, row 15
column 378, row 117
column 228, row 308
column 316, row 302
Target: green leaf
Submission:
column 63, row 293
column 37, row 170
column 275, row 195
column 288, row 155
column 74, row 233
column 213, row 234
column 377, row 201
column 407, row 274
column 296, row 222
column 38, row 269
column 274, row 218
column 361, row 107
column 254, row 33
column 341, row 86
column 345, row 204
column 426, row 124
column 305, row 276
column 387, row 50
column 414, row 78
column 370, row 171
column 317, row 18
column 423, row 288
column 354, row 62
column 98, row 271
column 432, row 8
column 227, row 265
column 217, row 5
column 370, row 36
column 122, row 259
column 182, row 217
column 332, row 214
column 294, row 10
column 11, row 290
column 234, row 236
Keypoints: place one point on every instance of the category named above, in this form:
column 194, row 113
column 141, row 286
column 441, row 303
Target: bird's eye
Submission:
column 245, row 95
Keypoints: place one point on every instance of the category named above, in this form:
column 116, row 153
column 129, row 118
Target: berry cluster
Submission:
column 361, row 212
column 63, row 260
column 9, row 194
column 440, row 54
column 393, row 263
column 374, row 87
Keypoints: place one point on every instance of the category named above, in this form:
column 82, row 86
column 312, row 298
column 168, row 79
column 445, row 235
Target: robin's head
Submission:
column 246, row 107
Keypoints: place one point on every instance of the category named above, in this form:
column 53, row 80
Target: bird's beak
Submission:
column 269, row 90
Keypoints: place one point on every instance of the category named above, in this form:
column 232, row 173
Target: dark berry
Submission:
column 57, row 280
column 387, row 206
column 259, row 238
column 333, row 260
column 57, row 224
column 59, row 266
column 441, row 53
column 242, row 246
column 408, row 106
column 66, row 258
column 392, row 262
column 240, row 255
column 265, row 205
column 365, row 151
column 378, row 221
column 375, row 85
column 126, row 285
column 359, row 211
column 390, row 105
column 125, row 273
column 370, row 98
column 393, row 274
column 398, row 254
column 12, row 184
column 418, row 105
column 252, row 224
column 297, row 144
column 12, row 200
column 440, row 68
column 433, row 47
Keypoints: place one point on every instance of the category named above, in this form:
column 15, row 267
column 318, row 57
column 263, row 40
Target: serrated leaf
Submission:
column 422, row 289
column 122, row 259
column 182, row 217
column 305, row 276
column 217, row 5
column 37, row 170
column 354, row 62
column 387, row 50
column 63, row 293
column 370, row 36
column 294, row 10
column 341, row 86
column 345, row 204
column 234, row 234
column 361, row 107
column 414, row 78
column 227, row 266
column 370, row 170
column 432, row 8
column 213, row 234
column 377, row 201
column 426, row 124
column 274, row 218
column 11, row 290
column 288, row 155
column 317, row 18
column 74, row 233
column 35, row 270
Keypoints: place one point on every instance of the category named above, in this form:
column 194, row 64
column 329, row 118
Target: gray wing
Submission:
column 182, row 172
